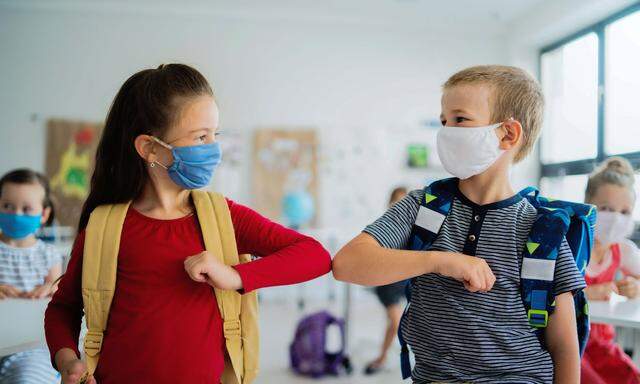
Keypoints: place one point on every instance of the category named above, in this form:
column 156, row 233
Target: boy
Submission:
column 467, row 321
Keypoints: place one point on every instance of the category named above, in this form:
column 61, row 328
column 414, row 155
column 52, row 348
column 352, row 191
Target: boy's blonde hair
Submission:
column 515, row 94
column 615, row 170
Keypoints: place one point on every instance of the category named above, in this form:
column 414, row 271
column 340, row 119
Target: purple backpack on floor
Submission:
column 308, row 349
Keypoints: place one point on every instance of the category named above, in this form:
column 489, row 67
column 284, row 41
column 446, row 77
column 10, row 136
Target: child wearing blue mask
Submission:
column 467, row 320
column 28, row 266
column 165, row 324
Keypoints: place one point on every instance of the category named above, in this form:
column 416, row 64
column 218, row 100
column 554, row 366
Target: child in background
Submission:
column 467, row 321
column 28, row 266
column 389, row 296
column 164, row 324
column 610, row 189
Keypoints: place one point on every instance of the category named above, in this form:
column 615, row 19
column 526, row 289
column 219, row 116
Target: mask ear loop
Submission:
column 169, row 147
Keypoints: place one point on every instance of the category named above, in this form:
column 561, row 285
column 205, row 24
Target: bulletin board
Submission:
column 284, row 160
column 70, row 154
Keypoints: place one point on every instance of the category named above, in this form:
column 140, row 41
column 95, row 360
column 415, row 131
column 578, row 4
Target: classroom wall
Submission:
column 366, row 88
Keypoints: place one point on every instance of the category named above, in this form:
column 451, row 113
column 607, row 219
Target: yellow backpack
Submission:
column 239, row 312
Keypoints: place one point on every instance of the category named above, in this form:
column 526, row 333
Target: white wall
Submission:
column 366, row 88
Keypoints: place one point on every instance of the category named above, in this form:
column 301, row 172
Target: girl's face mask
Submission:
column 19, row 226
column 613, row 227
column 193, row 166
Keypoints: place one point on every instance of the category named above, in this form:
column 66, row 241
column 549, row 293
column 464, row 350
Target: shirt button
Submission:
column 472, row 238
column 476, row 218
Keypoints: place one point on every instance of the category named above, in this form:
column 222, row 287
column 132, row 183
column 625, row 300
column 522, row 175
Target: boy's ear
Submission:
column 510, row 134
column 145, row 147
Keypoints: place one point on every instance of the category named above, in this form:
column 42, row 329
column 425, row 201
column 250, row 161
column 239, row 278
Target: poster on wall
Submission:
column 71, row 148
column 285, row 175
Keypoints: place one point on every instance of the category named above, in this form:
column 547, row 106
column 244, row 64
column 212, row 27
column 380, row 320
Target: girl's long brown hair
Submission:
column 146, row 104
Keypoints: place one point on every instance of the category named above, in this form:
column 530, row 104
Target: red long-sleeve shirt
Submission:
column 164, row 327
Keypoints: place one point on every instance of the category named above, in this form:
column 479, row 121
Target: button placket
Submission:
column 471, row 242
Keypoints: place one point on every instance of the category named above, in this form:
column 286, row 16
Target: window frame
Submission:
column 585, row 166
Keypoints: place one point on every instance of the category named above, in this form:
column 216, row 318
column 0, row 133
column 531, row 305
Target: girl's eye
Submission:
column 27, row 210
column 444, row 122
column 460, row 119
column 7, row 206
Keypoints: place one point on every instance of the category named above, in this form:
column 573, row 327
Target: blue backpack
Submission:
column 556, row 220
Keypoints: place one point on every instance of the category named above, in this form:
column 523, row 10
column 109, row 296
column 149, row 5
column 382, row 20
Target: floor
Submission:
column 278, row 321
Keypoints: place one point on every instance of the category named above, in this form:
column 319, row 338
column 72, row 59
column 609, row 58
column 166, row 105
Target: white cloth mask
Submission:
column 613, row 227
column 466, row 152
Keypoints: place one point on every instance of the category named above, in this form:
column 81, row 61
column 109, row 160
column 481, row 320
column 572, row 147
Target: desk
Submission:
column 619, row 312
column 21, row 325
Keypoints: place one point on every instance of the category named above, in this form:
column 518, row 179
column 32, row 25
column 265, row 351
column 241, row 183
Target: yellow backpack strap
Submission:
column 249, row 330
column 99, row 266
column 216, row 229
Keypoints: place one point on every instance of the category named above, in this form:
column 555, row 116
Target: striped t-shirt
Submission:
column 459, row 336
column 26, row 268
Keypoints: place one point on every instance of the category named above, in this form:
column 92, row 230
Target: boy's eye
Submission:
column 7, row 206
column 27, row 210
column 460, row 119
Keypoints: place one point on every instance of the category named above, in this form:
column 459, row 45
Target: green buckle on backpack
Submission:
column 538, row 318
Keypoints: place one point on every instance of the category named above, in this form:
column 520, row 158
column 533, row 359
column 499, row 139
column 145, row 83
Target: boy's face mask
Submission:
column 19, row 226
column 193, row 166
column 613, row 227
column 469, row 151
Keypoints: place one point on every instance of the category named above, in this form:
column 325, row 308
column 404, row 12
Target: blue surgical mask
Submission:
column 193, row 166
column 19, row 226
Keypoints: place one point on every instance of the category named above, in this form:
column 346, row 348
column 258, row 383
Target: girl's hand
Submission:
column 628, row 287
column 473, row 272
column 601, row 291
column 40, row 292
column 72, row 369
column 206, row 268
column 9, row 291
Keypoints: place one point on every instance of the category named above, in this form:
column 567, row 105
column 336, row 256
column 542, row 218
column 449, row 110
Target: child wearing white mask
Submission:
column 466, row 321
column 614, row 266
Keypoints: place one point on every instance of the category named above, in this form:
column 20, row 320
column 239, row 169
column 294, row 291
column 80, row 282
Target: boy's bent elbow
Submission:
column 337, row 266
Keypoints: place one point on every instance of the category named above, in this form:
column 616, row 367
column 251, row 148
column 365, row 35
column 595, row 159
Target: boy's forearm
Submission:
column 363, row 261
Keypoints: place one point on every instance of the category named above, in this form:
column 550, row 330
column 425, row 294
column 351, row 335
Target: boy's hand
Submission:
column 206, row 268
column 601, row 291
column 9, row 291
column 40, row 292
column 628, row 287
column 473, row 272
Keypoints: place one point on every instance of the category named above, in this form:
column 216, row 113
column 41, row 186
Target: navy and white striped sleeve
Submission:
column 392, row 229
column 567, row 277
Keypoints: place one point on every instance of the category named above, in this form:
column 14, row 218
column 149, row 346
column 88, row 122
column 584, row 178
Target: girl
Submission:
column 164, row 325
column 610, row 189
column 389, row 296
column 28, row 266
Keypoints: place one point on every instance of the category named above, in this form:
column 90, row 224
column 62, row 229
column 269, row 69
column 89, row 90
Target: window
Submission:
column 622, row 81
column 570, row 84
column 591, row 82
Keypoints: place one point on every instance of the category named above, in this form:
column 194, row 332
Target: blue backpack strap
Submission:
column 538, row 264
column 580, row 239
column 433, row 210
column 579, row 236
